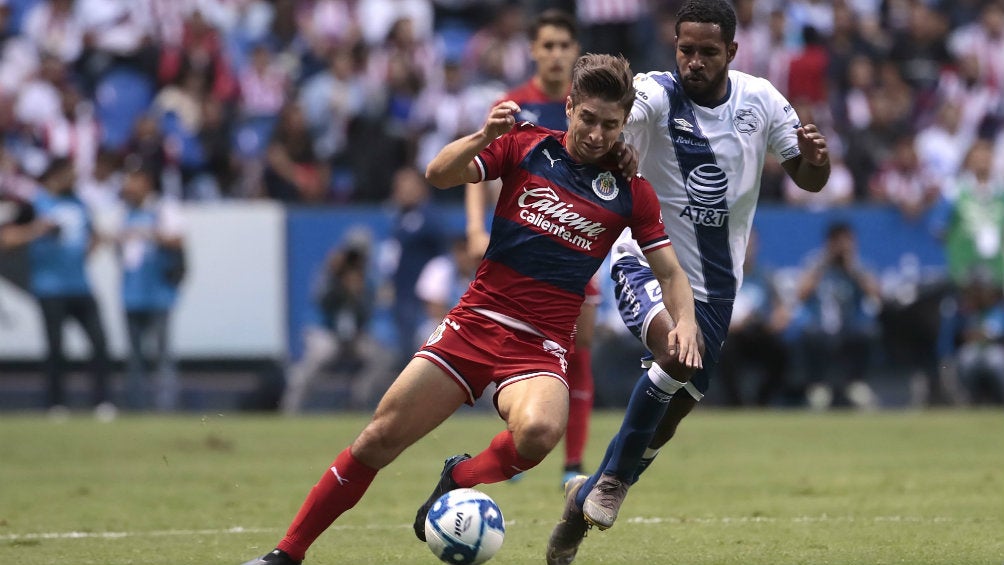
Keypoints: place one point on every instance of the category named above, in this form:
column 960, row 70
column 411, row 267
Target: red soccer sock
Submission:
column 339, row 489
column 500, row 462
column 580, row 404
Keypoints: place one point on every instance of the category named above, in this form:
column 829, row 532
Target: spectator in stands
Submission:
column 905, row 182
column 444, row 112
column 59, row 240
column 971, row 219
column 837, row 322
column 147, row 144
column 39, row 98
column 983, row 40
column 614, row 28
column 756, row 336
column 293, row 171
column 201, row 50
column 339, row 337
column 498, row 51
column 263, row 84
column 753, row 34
column 54, row 28
column 151, row 252
column 807, row 75
column 920, row 50
column 334, row 101
column 73, row 132
column 979, row 358
column 943, row 144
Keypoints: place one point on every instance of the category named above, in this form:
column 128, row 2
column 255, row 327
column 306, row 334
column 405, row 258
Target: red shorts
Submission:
column 476, row 351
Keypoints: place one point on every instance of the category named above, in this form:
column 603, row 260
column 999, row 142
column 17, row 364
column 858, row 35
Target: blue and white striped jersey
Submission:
column 705, row 164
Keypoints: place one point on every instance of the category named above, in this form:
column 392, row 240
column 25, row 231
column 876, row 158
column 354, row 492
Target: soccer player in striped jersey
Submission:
column 562, row 206
column 554, row 47
column 703, row 133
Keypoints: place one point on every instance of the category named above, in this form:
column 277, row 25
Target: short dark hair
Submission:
column 555, row 18
column 607, row 77
column 718, row 12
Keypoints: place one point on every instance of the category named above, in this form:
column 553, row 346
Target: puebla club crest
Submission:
column 605, row 186
column 746, row 121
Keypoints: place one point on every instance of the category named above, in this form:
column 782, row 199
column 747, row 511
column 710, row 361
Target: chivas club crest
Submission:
column 605, row 186
column 746, row 121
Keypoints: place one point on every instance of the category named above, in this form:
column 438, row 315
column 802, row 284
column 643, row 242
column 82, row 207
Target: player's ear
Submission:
column 730, row 50
column 568, row 107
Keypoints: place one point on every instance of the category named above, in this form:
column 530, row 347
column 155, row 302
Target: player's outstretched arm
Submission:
column 454, row 164
column 684, row 339
column 811, row 169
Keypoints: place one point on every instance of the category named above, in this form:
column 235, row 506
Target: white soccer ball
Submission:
column 464, row 527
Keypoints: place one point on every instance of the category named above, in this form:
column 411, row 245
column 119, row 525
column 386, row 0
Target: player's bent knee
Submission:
column 378, row 444
column 535, row 439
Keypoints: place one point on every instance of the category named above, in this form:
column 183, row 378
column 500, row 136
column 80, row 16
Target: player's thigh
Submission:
column 420, row 399
column 585, row 325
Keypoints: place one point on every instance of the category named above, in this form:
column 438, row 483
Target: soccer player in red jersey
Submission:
column 562, row 205
column 554, row 47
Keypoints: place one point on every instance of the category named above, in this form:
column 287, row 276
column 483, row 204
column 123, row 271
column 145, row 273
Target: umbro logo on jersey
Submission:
column 682, row 124
column 547, row 154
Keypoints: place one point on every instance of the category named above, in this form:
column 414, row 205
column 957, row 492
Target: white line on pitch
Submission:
column 636, row 520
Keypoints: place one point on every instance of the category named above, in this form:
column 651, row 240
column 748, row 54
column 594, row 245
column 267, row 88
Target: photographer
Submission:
column 838, row 322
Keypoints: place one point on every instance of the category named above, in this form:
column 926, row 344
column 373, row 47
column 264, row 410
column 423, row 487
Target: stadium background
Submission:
column 255, row 244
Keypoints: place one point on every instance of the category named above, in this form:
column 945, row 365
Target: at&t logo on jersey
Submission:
column 706, row 187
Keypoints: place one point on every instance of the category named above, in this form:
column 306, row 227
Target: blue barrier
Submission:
column 787, row 236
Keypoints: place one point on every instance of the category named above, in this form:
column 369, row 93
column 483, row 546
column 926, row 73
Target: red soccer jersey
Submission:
column 536, row 107
column 554, row 223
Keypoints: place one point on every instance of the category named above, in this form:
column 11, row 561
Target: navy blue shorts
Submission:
column 639, row 299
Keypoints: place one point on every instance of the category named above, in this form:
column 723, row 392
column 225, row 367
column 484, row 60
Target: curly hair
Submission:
column 718, row 12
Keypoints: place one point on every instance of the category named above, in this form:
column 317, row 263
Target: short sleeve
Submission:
column 495, row 160
column 646, row 219
column 783, row 123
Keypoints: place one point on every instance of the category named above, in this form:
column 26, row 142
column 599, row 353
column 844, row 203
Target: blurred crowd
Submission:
column 332, row 102
column 320, row 101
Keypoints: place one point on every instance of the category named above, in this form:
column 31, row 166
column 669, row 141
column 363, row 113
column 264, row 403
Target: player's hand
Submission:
column 501, row 119
column 812, row 145
column 626, row 156
column 685, row 344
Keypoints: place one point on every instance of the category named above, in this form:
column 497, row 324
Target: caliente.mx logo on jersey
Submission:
column 707, row 186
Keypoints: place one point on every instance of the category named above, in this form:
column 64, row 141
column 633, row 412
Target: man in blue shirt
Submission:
column 59, row 240
column 150, row 250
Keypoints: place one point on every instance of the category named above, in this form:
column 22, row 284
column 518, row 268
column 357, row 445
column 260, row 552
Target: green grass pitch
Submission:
column 743, row 488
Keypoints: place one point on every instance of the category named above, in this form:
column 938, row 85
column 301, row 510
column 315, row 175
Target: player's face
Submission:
column 554, row 51
column 703, row 58
column 594, row 125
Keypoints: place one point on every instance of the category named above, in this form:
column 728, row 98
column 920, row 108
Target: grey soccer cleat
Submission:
column 604, row 501
column 274, row 557
column 569, row 532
